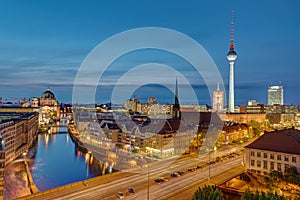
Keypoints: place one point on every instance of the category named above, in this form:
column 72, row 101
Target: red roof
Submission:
column 285, row 141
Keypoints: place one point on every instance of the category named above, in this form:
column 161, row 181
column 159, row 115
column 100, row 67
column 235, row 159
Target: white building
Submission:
column 274, row 151
column 275, row 95
column 218, row 100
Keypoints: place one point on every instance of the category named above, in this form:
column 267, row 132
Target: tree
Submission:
column 291, row 175
column 275, row 176
column 208, row 193
column 256, row 127
column 248, row 195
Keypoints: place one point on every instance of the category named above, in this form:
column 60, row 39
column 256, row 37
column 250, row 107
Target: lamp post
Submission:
column 87, row 166
column 209, row 165
column 215, row 149
column 148, row 177
column 148, row 192
column 24, row 156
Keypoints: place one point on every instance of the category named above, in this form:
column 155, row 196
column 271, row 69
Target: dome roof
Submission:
column 48, row 94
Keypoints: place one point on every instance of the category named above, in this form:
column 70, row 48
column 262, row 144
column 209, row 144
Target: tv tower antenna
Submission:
column 232, row 31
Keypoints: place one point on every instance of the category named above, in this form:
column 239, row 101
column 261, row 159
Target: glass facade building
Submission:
column 275, row 95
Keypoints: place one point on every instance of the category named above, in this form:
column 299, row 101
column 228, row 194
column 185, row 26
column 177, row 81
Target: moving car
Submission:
column 120, row 195
column 131, row 191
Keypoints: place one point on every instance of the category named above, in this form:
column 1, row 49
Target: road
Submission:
column 181, row 187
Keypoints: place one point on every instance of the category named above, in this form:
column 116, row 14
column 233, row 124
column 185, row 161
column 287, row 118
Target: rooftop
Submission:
column 285, row 141
column 14, row 116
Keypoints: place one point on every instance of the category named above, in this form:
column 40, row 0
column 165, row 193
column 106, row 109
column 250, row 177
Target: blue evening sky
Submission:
column 44, row 42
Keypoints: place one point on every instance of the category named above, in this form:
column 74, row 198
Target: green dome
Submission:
column 48, row 94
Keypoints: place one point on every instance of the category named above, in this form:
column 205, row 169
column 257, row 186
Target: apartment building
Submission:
column 275, row 150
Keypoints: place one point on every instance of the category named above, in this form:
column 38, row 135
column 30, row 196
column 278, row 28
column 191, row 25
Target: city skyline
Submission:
column 44, row 43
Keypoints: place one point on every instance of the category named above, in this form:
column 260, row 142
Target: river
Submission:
column 56, row 161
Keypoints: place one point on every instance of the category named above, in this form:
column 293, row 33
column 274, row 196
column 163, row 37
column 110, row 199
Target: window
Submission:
column 286, row 167
column 258, row 163
column 278, row 157
column 294, row 159
column 272, row 156
column 258, row 154
column 265, row 164
column 265, row 155
column 279, row 167
column 252, row 162
column 286, row 158
column 252, row 153
column 272, row 165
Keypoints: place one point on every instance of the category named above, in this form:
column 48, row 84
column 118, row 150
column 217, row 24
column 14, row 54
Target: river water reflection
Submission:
column 57, row 161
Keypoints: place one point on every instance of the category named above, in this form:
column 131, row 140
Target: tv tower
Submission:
column 231, row 56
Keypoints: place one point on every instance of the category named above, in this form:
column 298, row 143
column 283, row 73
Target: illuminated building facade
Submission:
column 49, row 106
column 275, row 95
column 276, row 150
column 17, row 133
column 218, row 100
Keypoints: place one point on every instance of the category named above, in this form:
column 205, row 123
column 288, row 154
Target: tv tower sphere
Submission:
column 232, row 55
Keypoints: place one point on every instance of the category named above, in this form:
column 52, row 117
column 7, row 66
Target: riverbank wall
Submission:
column 76, row 138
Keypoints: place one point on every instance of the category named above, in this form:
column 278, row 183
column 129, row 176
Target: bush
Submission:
column 208, row 193
column 261, row 196
column 291, row 175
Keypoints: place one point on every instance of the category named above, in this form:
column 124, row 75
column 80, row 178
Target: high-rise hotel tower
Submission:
column 275, row 95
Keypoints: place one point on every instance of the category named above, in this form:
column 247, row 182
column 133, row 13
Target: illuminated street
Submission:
column 108, row 187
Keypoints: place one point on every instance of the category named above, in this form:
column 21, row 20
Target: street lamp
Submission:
column 209, row 165
column 88, row 155
column 148, row 177
column 148, row 192
column 215, row 149
column 24, row 157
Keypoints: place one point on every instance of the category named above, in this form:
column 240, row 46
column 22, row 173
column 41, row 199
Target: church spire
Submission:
column 176, row 106
column 176, row 94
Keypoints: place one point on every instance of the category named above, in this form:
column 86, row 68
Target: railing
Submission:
column 72, row 185
column 229, row 178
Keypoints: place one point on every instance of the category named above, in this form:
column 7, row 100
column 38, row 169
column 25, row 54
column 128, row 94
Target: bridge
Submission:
column 142, row 180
